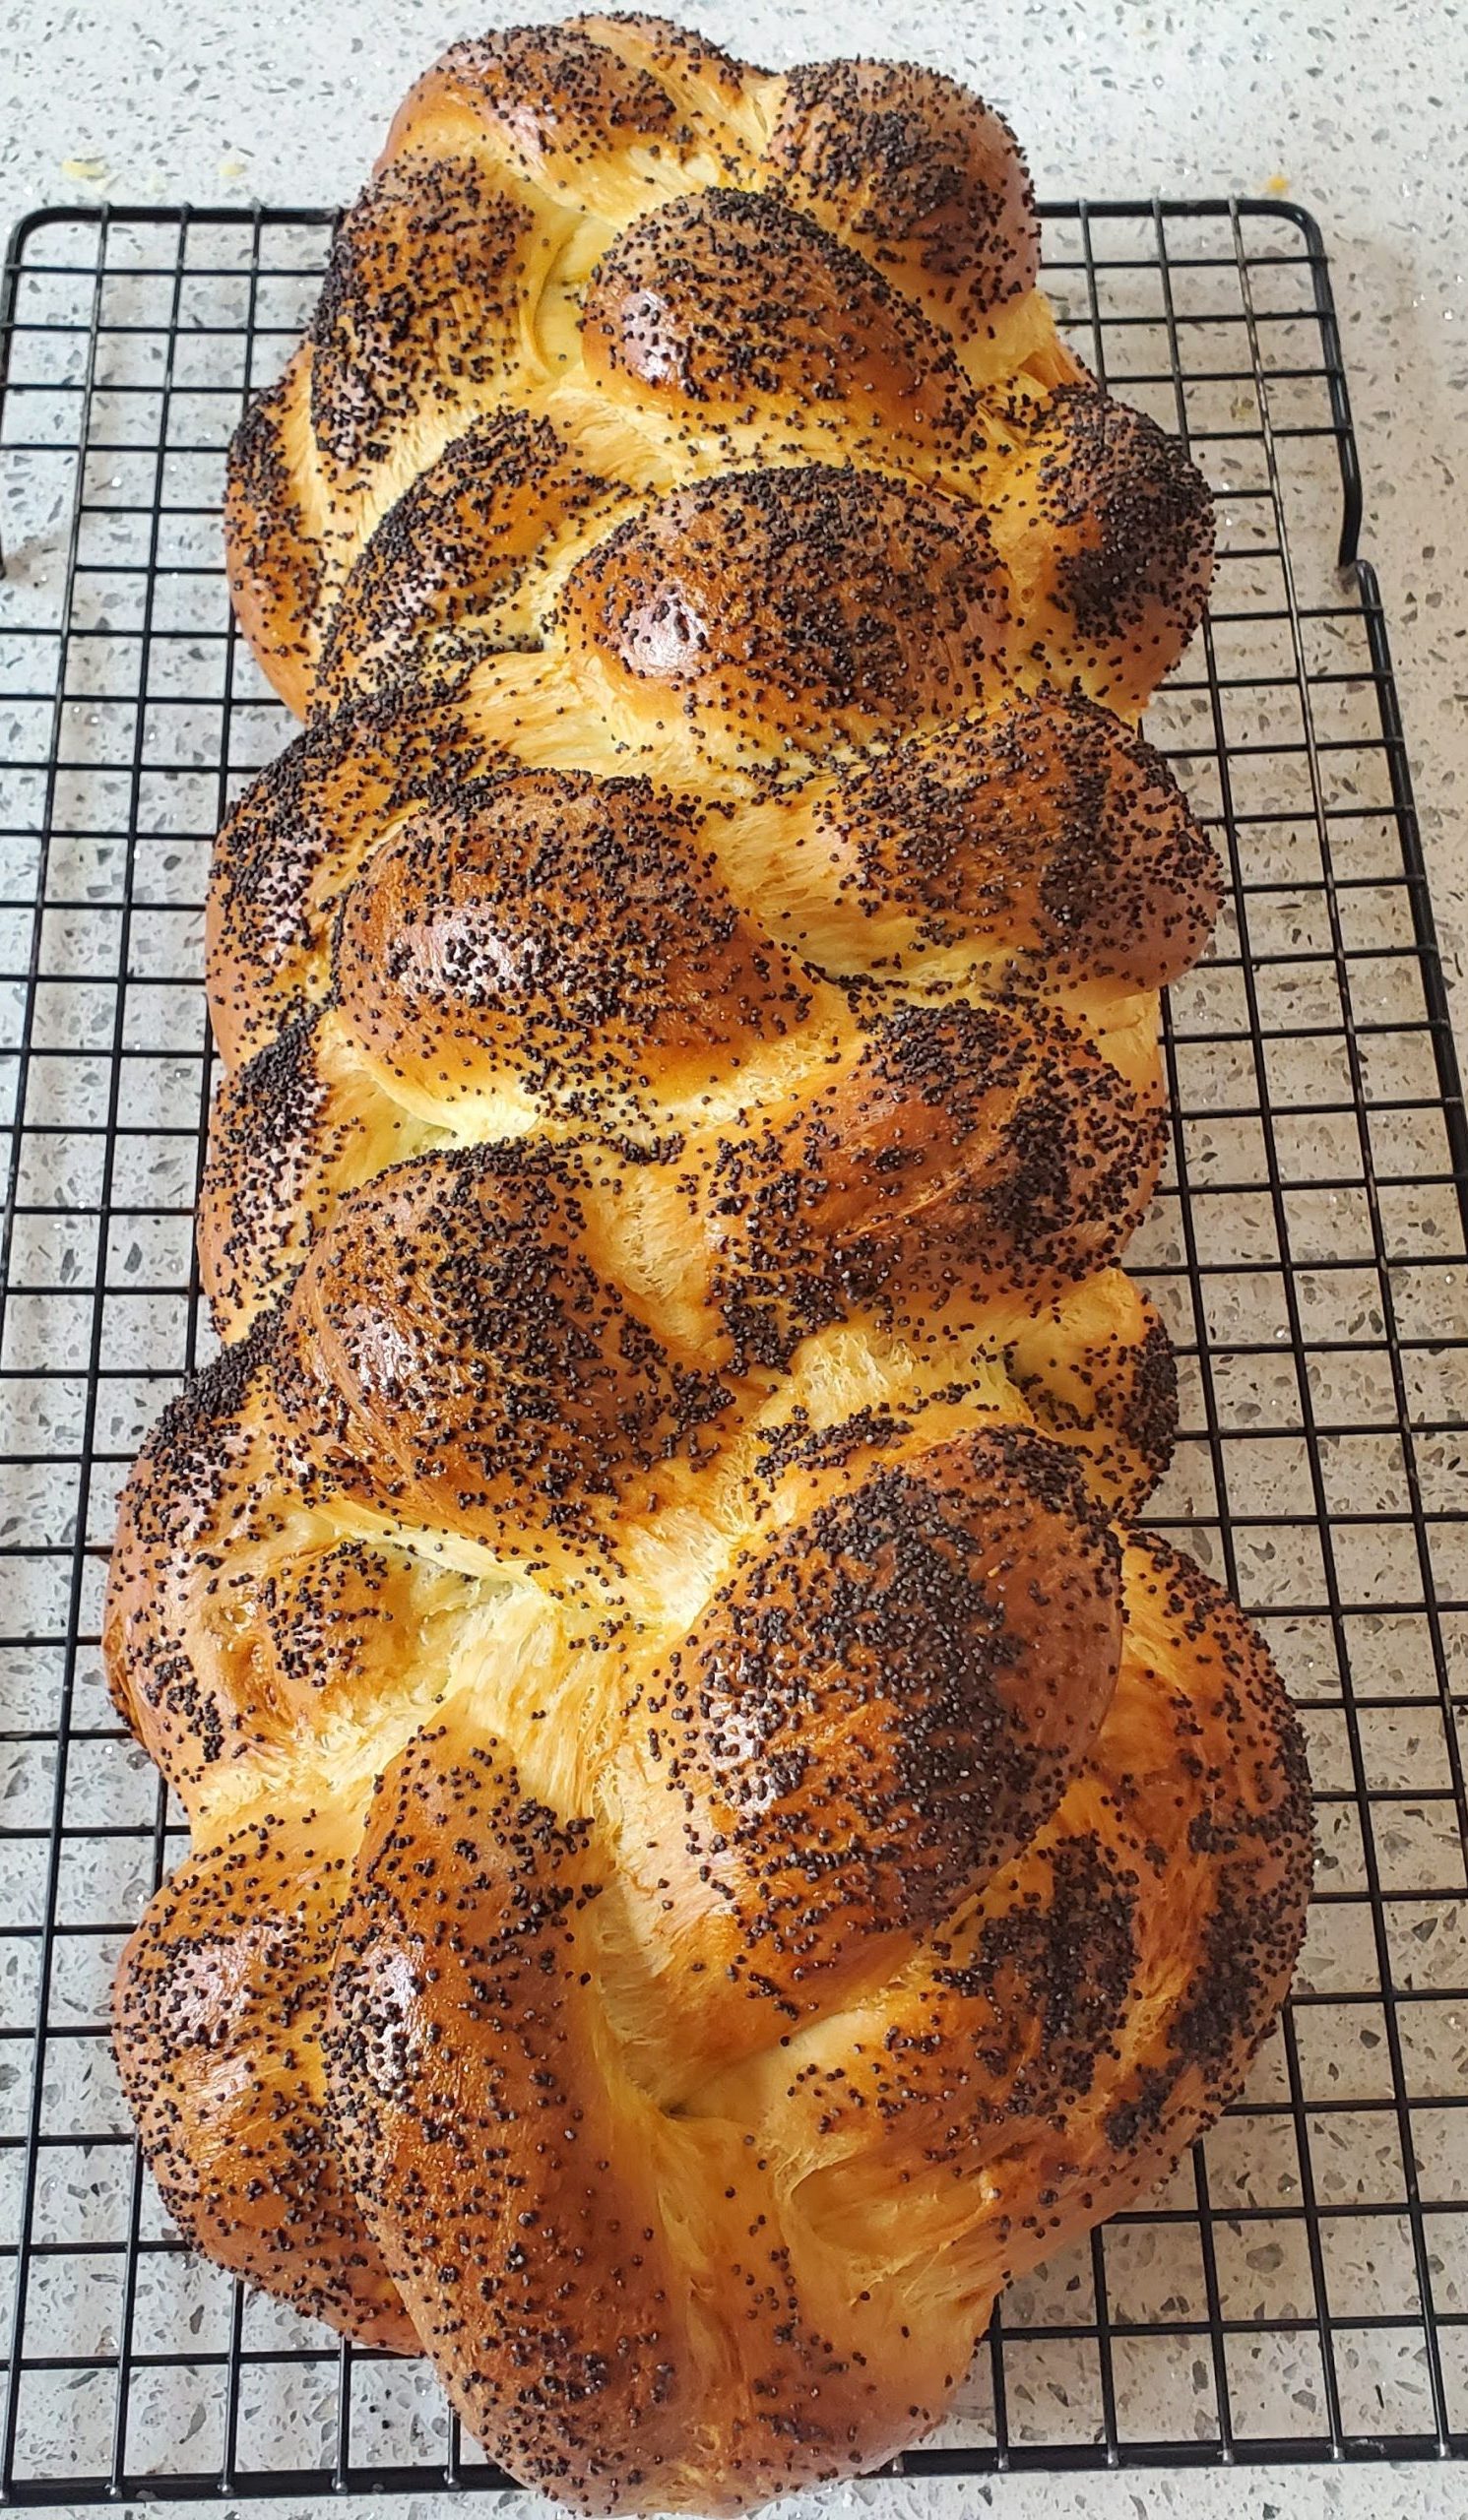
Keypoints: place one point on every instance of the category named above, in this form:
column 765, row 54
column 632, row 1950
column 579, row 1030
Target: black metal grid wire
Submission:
column 1299, row 2288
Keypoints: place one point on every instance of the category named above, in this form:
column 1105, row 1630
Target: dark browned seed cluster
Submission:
column 451, row 1354
column 286, row 854
column 1056, row 1969
column 522, row 2241
column 448, row 575
column 333, row 1620
column 797, row 604
column 737, row 303
column 1127, row 1415
column 434, row 250
column 886, row 216
column 1129, row 517
column 1023, row 2011
column 220, row 1995
column 185, row 1512
column 964, row 1150
column 281, row 1152
column 271, row 551
column 553, row 93
column 884, row 1704
column 676, row 55
column 1045, row 825
column 570, row 935
column 798, row 1444
column 923, row 177
column 267, row 854
column 1255, row 1818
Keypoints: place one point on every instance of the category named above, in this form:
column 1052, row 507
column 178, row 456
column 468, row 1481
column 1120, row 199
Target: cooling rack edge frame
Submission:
column 1019, row 2457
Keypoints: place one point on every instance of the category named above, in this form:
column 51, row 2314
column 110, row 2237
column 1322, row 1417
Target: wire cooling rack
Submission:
column 1299, row 2290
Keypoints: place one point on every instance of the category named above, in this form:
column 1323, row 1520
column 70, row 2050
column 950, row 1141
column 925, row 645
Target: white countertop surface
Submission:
column 1357, row 110
column 1235, row 2493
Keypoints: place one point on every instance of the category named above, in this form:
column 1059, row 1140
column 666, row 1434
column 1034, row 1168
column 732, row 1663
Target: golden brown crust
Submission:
column 929, row 1159
column 451, row 571
column 1098, row 1372
column 736, row 635
column 453, row 1355
column 870, row 1719
column 551, row 98
column 810, row 606
column 242, row 1636
column 720, row 300
column 221, row 1674
column 435, row 250
column 1034, row 847
column 872, row 2175
column 1108, row 1994
column 284, row 854
column 451, row 980
column 576, row 2346
column 198, row 1491
column 685, row 263
column 1045, row 829
column 954, row 1157
column 219, row 2000
column 706, row 83
column 538, row 950
column 273, row 559
column 842, row 1818
column 291, row 1133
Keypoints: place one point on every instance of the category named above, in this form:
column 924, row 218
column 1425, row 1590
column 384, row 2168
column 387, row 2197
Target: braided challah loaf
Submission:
column 717, row 1841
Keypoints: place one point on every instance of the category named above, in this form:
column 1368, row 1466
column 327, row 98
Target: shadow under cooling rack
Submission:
column 1299, row 2287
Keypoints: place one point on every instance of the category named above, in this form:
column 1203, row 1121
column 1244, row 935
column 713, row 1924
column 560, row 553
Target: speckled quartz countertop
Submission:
column 1354, row 109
